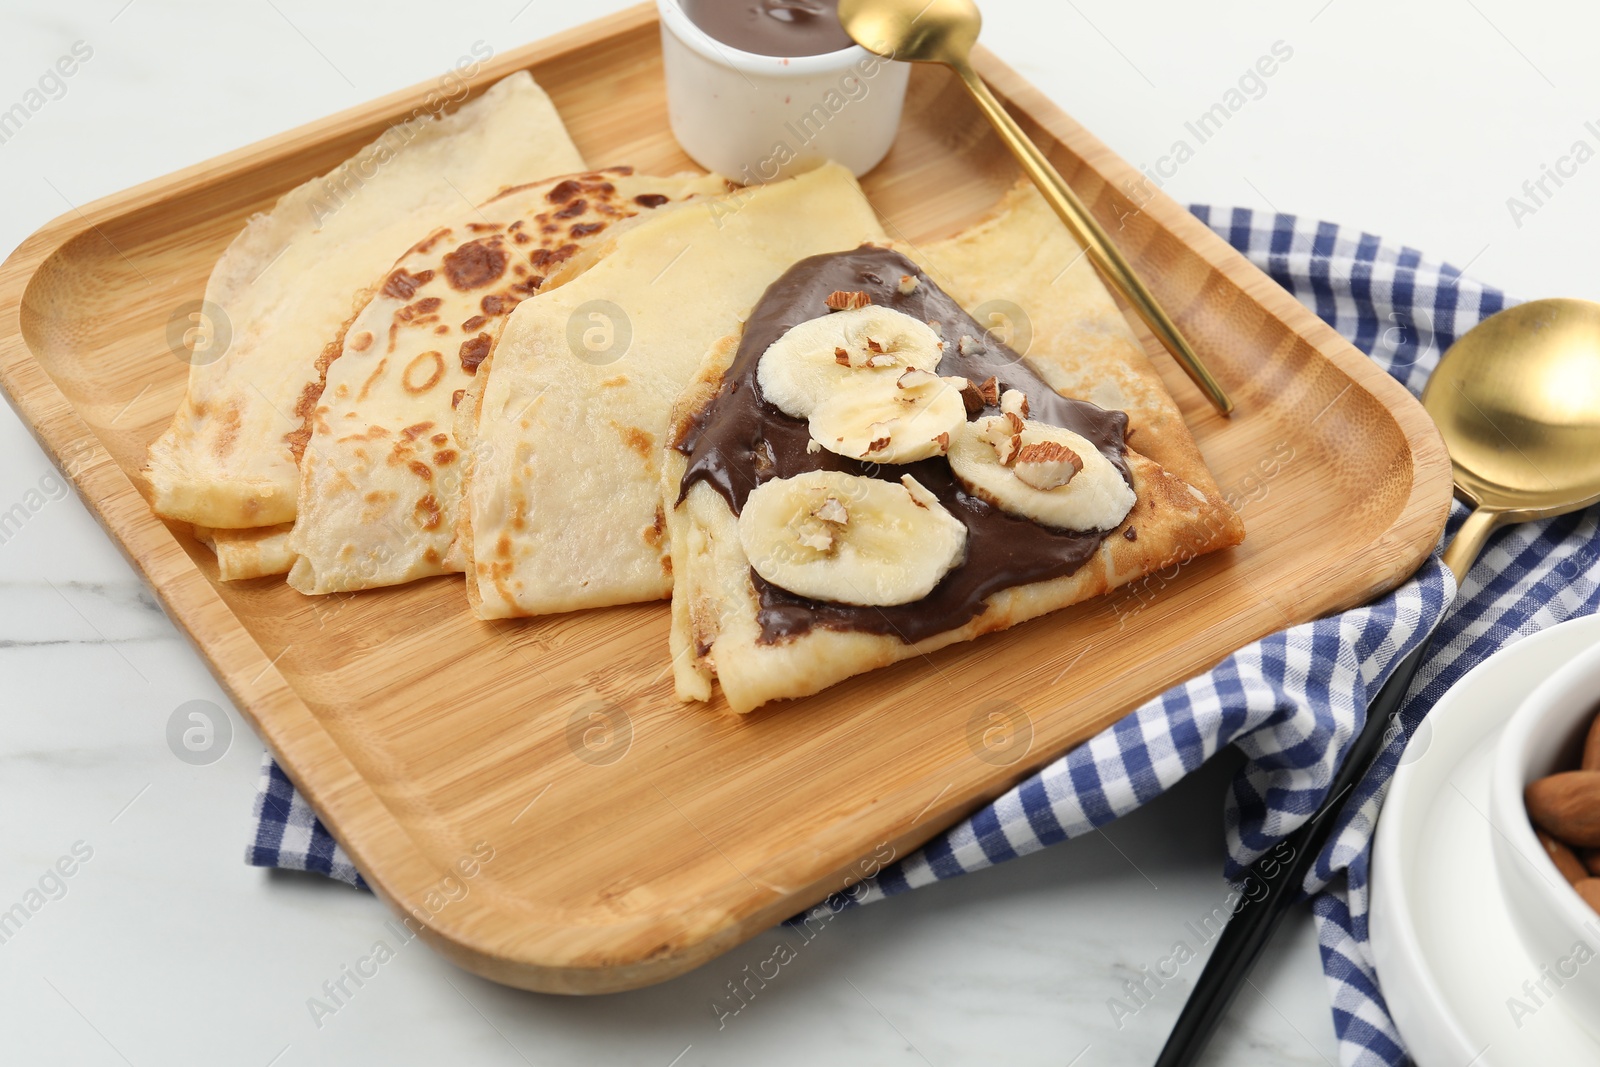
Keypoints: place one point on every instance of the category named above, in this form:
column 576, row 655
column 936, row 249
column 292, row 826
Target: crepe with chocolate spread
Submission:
column 289, row 280
column 563, row 504
column 380, row 474
column 863, row 473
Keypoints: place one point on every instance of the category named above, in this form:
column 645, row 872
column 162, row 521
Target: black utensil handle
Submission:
column 1273, row 881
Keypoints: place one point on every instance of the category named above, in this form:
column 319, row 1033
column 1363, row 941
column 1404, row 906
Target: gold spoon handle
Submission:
column 1464, row 547
column 1105, row 255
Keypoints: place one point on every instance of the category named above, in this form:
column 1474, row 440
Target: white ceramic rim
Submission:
column 1575, row 680
column 684, row 29
column 1388, row 908
column 1403, row 962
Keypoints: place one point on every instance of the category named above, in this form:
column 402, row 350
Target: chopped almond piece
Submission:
column 1047, row 465
column 972, row 397
column 832, row 511
column 914, row 378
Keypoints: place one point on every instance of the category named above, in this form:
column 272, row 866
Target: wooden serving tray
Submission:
column 632, row 837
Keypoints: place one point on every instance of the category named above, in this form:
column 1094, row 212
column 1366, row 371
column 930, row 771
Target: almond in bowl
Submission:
column 1545, row 810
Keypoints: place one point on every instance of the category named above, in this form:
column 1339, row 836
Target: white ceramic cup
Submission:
column 755, row 118
column 1560, row 931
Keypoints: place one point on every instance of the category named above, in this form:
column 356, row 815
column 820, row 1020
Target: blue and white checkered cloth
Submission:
column 1292, row 702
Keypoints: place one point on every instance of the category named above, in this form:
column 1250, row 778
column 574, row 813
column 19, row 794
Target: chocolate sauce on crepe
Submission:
column 740, row 440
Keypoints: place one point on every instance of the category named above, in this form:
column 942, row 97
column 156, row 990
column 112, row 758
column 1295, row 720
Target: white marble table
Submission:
column 1416, row 121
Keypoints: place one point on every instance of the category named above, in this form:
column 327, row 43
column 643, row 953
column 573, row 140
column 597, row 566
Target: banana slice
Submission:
column 849, row 539
column 884, row 418
column 1040, row 472
column 804, row 366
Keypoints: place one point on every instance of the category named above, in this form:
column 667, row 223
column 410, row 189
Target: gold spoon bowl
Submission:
column 1517, row 401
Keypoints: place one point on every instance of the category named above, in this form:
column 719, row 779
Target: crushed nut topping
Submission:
column 1014, row 401
column 971, row 397
column 820, row 540
column 832, row 510
column 839, row 300
column 1047, row 465
column 1006, row 438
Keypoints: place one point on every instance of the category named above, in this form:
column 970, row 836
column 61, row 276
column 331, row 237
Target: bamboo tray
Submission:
column 631, row 838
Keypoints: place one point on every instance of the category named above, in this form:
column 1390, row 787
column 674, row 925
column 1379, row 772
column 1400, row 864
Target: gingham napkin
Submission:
column 1291, row 702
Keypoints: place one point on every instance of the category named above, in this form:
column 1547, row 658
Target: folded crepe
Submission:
column 380, row 477
column 563, row 507
column 289, row 280
column 252, row 553
column 947, row 529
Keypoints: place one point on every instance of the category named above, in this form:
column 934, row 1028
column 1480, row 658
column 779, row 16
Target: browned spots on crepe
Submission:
column 476, row 264
column 402, row 284
column 228, row 421
column 430, row 364
column 372, row 433
column 564, row 191
column 653, row 533
column 428, row 513
column 371, row 378
column 425, row 245
column 639, row 440
column 474, row 350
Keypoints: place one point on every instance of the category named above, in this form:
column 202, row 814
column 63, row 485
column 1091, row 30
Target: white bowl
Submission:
column 1447, row 953
column 1560, row 931
column 755, row 118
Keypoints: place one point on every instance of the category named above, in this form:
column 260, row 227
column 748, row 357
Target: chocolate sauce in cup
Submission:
column 759, row 90
column 772, row 27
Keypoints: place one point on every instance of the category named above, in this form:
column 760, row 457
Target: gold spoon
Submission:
column 944, row 31
column 1517, row 401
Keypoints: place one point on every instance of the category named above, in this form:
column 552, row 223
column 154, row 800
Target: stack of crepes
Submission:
column 462, row 351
